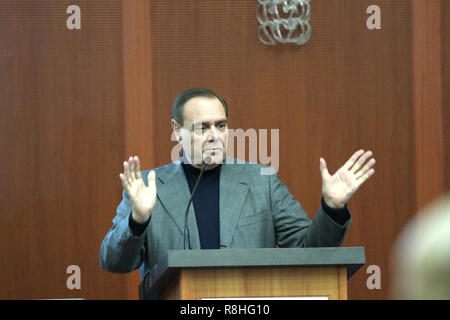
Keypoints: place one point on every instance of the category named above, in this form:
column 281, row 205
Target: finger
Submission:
column 366, row 168
column 138, row 168
column 366, row 176
column 353, row 159
column 323, row 168
column 123, row 180
column 133, row 168
column 361, row 161
column 126, row 170
column 152, row 179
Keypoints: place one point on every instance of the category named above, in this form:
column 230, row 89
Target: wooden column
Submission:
column 445, row 81
column 137, row 85
column 428, row 101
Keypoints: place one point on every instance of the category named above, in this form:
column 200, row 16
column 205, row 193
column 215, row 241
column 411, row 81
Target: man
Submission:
column 420, row 258
column 234, row 206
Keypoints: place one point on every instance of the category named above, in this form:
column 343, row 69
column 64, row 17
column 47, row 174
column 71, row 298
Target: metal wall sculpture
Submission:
column 283, row 21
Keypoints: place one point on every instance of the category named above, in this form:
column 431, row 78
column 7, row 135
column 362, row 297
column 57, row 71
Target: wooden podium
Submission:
column 286, row 273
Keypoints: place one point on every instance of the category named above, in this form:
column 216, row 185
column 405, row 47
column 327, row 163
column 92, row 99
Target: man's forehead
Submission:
column 203, row 110
column 209, row 121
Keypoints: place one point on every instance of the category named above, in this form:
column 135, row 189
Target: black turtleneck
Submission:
column 206, row 204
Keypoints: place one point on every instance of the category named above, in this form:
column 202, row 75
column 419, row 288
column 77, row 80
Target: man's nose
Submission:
column 213, row 134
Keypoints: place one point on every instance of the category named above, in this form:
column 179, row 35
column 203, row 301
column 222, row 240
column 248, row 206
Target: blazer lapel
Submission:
column 173, row 192
column 232, row 194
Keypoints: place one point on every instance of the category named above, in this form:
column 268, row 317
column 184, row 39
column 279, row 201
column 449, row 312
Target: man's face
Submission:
column 204, row 132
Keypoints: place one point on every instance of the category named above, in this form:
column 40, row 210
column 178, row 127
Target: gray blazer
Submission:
column 256, row 211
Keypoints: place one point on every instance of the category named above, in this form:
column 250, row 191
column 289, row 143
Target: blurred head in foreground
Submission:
column 420, row 262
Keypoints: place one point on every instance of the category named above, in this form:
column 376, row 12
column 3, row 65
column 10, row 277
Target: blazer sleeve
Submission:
column 293, row 228
column 121, row 251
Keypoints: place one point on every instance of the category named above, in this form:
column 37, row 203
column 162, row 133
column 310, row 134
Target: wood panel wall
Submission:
column 445, row 81
column 62, row 146
column 138, row 106
column 427, row 101
column 74, row 104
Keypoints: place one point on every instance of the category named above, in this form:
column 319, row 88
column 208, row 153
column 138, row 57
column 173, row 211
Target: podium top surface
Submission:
column 351, row 257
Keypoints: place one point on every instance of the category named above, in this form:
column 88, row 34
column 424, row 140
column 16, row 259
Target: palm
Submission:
column 142, row 198
column 338, row 188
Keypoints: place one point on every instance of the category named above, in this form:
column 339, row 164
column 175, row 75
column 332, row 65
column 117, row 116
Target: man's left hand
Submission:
column 338, row 188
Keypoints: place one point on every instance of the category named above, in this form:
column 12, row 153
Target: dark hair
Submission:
column 183, row 97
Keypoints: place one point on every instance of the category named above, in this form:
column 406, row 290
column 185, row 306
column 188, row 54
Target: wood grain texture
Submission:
column 138, row 117
column 445, row 80
column 342, row 282
column 61, row 127
column 428, row 101
column 259, row 282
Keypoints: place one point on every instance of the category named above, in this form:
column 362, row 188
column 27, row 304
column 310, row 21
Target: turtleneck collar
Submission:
column 193, row 171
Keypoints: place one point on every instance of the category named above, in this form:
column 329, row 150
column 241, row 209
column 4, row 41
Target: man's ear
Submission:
column 176, row 129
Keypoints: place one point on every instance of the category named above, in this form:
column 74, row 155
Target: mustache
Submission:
column 213, row 147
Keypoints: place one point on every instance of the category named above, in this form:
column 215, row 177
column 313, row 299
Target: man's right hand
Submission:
column 142, row 198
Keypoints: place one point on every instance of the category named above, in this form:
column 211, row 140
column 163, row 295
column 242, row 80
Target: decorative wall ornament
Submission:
column 283, row 21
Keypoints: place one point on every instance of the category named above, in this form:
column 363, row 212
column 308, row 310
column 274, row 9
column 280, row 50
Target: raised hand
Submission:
column 142, row 198
column 338, row 188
